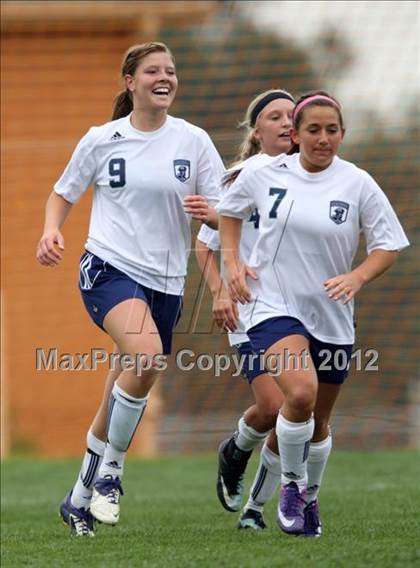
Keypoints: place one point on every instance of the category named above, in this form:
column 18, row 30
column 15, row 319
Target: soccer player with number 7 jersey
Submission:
column 300, row 294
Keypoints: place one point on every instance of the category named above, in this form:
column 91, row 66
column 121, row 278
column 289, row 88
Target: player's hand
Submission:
column 197, row 207
column 47, row 252
column 237, row 284
column 343, row 287
column 225, row 312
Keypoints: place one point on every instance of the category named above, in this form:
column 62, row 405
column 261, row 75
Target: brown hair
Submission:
column 123, row 102
column 298, row 116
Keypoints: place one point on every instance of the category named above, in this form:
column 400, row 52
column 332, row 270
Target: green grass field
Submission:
column 370, row 507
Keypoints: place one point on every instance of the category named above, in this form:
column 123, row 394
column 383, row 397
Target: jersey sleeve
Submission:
column 237, row 200
column 80, row 171
column 209, row 237
column 378, row 220
column 210, row 171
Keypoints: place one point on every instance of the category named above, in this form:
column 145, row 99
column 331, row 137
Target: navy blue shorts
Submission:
column 252, row 363
column 103, row 286
column 331, row 361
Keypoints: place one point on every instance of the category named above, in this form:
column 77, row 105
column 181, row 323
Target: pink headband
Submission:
column 300, row 106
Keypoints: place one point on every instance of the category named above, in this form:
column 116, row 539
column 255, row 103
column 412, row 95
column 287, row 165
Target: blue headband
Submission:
column 264, row 102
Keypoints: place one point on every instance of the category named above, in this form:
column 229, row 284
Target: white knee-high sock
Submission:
column 247, row 437
column 266, row 481
column 124, row 415
column 317, row 461
column 82, row 491
column 293, row 441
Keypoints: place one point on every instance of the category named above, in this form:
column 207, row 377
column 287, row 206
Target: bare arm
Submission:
column 378, row 262
column 56, row 212
column 236, row 271
column 346, row 286
column 198, row 208
column 225, row 312
column 212, row 218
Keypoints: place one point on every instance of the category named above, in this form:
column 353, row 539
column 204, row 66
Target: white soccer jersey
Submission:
column 139, row 179
column 249, row 235
column 309, row 232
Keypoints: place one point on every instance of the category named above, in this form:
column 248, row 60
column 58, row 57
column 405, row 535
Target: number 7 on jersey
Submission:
column 280, row 192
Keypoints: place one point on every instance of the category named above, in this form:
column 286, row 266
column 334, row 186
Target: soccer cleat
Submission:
column 251, row 519
column 290, row 516
column 230, row 475
column 312, row 527
column 80, row 521
column 105, row 504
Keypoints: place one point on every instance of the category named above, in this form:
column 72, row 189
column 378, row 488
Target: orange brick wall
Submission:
column 55, row 86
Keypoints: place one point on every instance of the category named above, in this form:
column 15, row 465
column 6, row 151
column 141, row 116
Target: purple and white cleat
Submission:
column 313, row 527
column 290, row 517
column 80, row 521
column 105, row 504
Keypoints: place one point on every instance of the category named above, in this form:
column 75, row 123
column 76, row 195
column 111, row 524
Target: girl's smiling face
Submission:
column 319, row 136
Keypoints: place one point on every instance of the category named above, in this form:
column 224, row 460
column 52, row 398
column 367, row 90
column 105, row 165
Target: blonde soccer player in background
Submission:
column 268, row 122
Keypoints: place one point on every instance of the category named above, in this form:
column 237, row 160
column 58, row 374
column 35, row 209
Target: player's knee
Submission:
column 302, row 397
column 141, row 357
column 140, row 344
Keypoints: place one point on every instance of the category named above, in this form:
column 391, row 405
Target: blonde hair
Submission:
column 250, row 145
column 123, row 102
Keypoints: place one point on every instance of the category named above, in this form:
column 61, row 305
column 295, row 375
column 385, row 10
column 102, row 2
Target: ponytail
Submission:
column 230, row 177
column 123, row 105
column 249, row 147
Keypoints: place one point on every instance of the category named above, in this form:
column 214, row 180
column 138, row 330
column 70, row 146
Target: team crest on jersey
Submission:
column 339, row 211
column 182, row 170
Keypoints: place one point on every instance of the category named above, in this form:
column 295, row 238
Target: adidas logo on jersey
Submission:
column 283, row 166
column 117, row 136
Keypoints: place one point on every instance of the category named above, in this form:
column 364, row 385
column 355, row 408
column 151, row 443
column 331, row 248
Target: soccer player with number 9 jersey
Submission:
column 151, row 173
